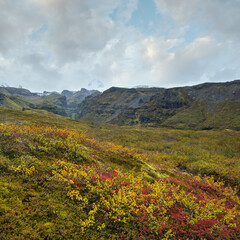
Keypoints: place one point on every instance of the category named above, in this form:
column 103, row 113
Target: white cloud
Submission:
column 17, row 20
column 75, row 29
column 125, row 10
column 155, row 48
column 56, row 44
column 225, row 74
column 190, row 64
column 79, row 28
column 218, row 17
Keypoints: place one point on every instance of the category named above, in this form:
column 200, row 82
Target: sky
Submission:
column 96, row 44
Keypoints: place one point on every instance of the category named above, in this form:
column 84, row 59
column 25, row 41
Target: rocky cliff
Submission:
column 76, row 97
column 204, row 106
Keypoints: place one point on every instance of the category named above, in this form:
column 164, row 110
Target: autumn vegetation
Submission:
column 65, row 179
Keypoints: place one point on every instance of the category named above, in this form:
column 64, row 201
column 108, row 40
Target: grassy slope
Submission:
column 53, row 103
column 199, row 116
column 205, row 152
column 15, row 102
column 37, row 188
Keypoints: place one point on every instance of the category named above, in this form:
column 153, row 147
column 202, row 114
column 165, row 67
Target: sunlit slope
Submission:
column 18, row 99
column 167, row 150
column 13, row 102
column 36, row 116
column 64, row 104
column 61, row 184
column 205, row 152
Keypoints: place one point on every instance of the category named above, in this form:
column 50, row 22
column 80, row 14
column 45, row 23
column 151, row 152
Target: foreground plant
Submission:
column 53, row 186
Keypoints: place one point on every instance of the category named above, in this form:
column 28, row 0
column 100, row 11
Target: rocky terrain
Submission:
column 204, row 106
column 75, row 98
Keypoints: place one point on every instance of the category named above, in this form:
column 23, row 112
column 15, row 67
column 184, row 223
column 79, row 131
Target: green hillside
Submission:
column 13, row 102
column 64, row 104
column 23, row 99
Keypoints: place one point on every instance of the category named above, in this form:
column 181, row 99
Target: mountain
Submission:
column 204, row 106
column 23, row 99
column 52, row 102
column 75, row 98
column 15, row 98
column 21, row 92
column 64, row 104
column 116, row 105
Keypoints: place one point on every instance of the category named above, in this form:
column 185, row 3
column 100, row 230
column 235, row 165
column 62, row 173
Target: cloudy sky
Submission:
column 70, row 44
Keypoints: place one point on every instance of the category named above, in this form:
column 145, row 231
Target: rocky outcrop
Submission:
column 76, row 97
column 115, row 105
column 204, row 106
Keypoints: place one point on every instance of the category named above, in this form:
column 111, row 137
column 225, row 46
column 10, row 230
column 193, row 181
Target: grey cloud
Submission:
column 126, row 9
column 78, row 28
column 17, row 20
column 97, row 84
column 56, row 44
column 36, row 62
column 78, row 38
column 216, row 16
column 75, row 33
column 190, row 64
column 33, row 59
column 226, row 74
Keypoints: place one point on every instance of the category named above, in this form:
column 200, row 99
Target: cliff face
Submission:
column 204, row 106
column 115, row 105
column 75, row 98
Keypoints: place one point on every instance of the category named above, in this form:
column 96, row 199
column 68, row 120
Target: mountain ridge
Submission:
column 203, row 106
column 194, row 107
column 63, row 103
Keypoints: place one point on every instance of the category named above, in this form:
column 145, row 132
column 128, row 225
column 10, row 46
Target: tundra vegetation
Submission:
column 68, row 179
